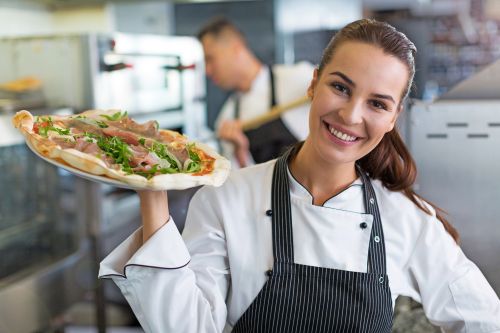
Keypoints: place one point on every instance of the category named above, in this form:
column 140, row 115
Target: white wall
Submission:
column 134, row 17
column 37, row 20
column 25, row 21
column 146, row 17
column 321, row 14
column 97, row 18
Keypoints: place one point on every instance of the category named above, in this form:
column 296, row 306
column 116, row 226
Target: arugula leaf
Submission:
column 91, row 135
column 115, row 148
column 101, row 124
column 60, row 131
column 192, row 154
column 148, row 173
column 193, row 167
column 162, row 152
column 116, row 116
column 47, row 125
column 43, row 131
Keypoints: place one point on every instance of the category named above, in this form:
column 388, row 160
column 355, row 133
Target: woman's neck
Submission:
column 322, row 179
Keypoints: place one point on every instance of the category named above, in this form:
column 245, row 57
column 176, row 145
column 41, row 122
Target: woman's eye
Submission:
column 341, row 88
column 379, row 105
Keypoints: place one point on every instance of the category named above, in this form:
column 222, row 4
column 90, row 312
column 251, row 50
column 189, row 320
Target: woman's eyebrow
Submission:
column 344, row 77
column 387, row 97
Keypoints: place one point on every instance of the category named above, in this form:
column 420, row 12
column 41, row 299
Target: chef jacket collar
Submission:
column 350, row 199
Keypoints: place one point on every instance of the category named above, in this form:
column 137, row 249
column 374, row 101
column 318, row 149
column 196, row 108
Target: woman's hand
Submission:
column 230, row 130
column 154, row 211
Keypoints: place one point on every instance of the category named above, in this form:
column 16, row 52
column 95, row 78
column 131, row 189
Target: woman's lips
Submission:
column 341, row 136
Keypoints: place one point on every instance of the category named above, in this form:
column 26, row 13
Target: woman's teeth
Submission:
column 340, row 135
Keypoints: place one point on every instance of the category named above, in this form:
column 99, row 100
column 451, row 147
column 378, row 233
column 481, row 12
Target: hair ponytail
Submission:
column 392, row 164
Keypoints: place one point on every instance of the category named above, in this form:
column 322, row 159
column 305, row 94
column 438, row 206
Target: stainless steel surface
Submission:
column 30, row 302
column 13, row 100
column 456, row 147
column 483, row 85
column 32, row 215
column 61, row 63
column 44, row 256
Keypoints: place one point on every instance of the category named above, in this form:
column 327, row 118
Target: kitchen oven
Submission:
column 151, row 77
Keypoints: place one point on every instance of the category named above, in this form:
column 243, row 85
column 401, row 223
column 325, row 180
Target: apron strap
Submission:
column 273, row 87
column 376, row 249
column 282, row 212
column 237, row 111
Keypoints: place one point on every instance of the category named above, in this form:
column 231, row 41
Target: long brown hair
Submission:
column 390, row 161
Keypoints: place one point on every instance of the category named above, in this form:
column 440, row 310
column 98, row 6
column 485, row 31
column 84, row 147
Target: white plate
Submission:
column 86, row 175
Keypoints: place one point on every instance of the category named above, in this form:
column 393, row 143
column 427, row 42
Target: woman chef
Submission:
column 323, row 239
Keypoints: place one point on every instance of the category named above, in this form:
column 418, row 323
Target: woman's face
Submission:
column 355, row 101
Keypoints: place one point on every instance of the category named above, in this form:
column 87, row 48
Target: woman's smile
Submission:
column 340, row 135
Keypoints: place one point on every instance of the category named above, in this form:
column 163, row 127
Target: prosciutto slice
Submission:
column 142, row 156
column 129, row 137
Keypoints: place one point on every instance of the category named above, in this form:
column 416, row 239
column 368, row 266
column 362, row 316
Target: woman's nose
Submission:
column 351, row 113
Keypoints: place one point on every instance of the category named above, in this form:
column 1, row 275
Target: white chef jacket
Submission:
column 205, row 280
column 290, row 82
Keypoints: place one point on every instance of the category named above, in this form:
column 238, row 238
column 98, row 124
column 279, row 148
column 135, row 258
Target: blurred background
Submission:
column 67, row 56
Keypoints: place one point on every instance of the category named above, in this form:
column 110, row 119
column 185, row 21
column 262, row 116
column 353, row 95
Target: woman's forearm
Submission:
column 154, row 211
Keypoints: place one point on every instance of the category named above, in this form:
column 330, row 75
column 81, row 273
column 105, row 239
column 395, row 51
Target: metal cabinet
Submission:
column 456, row 147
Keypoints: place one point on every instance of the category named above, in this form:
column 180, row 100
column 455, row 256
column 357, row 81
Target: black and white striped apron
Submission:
column 300, row 298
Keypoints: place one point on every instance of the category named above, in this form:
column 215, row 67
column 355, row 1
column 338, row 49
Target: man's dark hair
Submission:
column 217, row 26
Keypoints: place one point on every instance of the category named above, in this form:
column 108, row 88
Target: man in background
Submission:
column 232, row 66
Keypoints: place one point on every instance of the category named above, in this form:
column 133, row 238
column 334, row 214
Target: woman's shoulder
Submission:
column 399, row 201
column 397, row 208
column 248, row 181
column 406, row 226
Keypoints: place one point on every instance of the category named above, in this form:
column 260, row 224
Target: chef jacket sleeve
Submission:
column 169, row 290
column 453, row 291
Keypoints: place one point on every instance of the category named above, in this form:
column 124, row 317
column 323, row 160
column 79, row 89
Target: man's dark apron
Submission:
column 300, row 298
column 271, row 139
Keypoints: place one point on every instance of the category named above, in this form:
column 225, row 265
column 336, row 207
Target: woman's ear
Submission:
column 312, row 85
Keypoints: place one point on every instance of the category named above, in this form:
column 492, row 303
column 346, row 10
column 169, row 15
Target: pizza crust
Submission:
column 24, row 120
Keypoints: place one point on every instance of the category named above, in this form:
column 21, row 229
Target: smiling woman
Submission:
column 323, row 239
column 352, row 109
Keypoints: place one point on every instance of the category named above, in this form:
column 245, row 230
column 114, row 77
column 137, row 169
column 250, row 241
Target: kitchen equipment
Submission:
column 455, row 145
column 21, row 94
column 41, row 244
column 151, row 77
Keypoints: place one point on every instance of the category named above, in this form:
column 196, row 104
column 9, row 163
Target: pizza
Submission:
column 112, row 145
